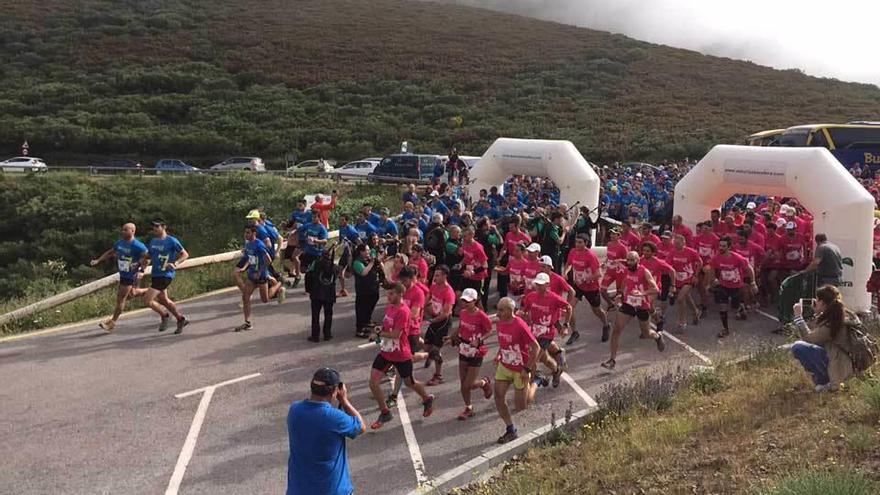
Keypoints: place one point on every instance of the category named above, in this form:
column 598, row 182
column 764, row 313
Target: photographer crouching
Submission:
column 318, row 464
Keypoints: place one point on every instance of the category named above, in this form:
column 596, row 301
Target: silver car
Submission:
column 23, row 164
column 252, row 163
column 359, row 168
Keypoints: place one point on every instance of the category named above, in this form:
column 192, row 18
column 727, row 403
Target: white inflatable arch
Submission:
column 842, row 208
column 560, row 161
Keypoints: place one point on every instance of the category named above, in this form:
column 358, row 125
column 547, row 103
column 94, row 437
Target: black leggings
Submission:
column 316, row 317
column 364, row 304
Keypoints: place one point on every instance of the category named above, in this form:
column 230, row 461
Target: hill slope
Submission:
column 348, row 78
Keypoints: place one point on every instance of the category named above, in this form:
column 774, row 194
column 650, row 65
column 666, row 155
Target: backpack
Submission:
column 861, row 347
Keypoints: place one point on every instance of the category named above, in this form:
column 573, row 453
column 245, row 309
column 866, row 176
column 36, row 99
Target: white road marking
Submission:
column 367, row 344
column 189, row 444
column 690, row 349
column 767, row 315
column 415, row 452
column 217, row 385
column 578, row 390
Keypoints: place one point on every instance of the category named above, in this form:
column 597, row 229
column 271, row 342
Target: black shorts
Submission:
column 725, row 294
column 287, row 253
column 160, row 283
column 345, row 257
column 641, row 313
column 259, row 281
column 471, row 362
column 126, row 282
column 665, row 284
column 415, row 343
column 435, row 333
column 544, row 343
column 404, row 369
column 593, row 297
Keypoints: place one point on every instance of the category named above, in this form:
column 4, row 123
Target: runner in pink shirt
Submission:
column 395, row 353
column 646, row 234
column 615, row 258
column 474, row 262
column 517, row 362
column 666, row 245
column 678, row 227
column 442, row 300
column 473, row 329
column 635, row 289
column 583, row 271
column 515, row 271
column 687, row 264
column 754, row 253
column 414, row 298
column 532, row 267
column 629, row 237
column 544, row 311
column 731, row 271
column 664, row 275
column 706, row 245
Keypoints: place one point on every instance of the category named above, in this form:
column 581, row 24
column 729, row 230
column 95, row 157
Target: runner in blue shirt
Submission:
column 351, row 238
column 166, row 253
column 255, row 261
column 298, row 218
column 315, row 238
column 131, row 258
column 367, row 210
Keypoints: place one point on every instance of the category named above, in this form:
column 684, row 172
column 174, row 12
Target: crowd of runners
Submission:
column 513, row 264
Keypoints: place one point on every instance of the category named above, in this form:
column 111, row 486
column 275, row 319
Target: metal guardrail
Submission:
column 291, row 174
column 111, row 280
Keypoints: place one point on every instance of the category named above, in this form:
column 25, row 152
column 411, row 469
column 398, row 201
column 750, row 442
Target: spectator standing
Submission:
column 827, row 262
column 317, row 431
column 322, row 210
column 321, row 285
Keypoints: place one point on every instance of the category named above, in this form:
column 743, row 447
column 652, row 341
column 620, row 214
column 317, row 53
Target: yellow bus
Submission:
column 852, row 144
column 764, row 138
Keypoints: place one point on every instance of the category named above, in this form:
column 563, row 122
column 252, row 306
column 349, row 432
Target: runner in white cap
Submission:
column 473, row 329
column 533, row 266
column 543, row 310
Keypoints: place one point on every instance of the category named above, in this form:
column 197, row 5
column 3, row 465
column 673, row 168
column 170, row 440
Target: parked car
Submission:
column 169, row 165
column 252, row 163
column 123, row 164
column 359, row 168
column 23, row 164
column 406, row 166
column 321, row 165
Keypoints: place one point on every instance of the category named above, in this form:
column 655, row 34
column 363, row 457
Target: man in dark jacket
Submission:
column 321, row 279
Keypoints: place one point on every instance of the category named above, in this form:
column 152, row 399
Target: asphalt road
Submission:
column 89, row 412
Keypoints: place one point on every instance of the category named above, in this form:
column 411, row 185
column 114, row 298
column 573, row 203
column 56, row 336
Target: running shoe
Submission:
column 435, row 380
column 428, row 406
column 108, row 325
column 540, row 380
column 282, row 294
column 180, row 324
column 245, row 326
column 296, row 280
column 661, row 343
column 487, row 387
column 573, row 337
column 391, row 401
column 606, row 332
column 509, row 435
column 609, row 365
column 467, row 413
column 383, row 418
column 560, row 359
column 163, row 324
column 555, row 377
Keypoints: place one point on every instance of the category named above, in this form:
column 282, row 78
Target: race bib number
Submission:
column 705, row 251
column 511, row 357
column 682, row 276
column 252, row 260
column 389, row 345
column 730, row 275
column 581, row 277
column 635, row 301
column 436, row 307
column 467, row 350
column 793, row 255
column 516, row 280
column 540, row 329
column 164, row 261
column 124, row 265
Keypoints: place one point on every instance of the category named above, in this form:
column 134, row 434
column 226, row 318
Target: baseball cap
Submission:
column 751, row 205
column 534, row 248
column 253, row 215
column 385, row 211
column 780, row 222
column 790, row 225
column 666, row 233
column 546, row 260
column 326, row 377
column 158, row 222
column 542, row 279
column 469, row 295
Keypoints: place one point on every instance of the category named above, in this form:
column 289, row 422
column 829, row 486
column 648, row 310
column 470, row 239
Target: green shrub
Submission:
column 825, row 483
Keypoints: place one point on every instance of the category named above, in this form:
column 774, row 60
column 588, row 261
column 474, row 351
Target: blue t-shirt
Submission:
column 374, row 218
column 388, row 227
column 318, row 463
column 365, row 230
column 318, row 231
column 255, row 254
column 301, row 217
column 163, row 252
column 411, row 197
column 264, row 233
column 128, row 257
column 349, row 233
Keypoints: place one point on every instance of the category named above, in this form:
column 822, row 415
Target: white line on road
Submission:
column 189, row 444
column 690, row 349
column 578, row 390
column 414, row 451
column 367, row 344
column 217, row 385
column 768, row 315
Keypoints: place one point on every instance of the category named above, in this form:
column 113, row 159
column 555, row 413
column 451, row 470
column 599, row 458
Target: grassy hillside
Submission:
column 348, row 78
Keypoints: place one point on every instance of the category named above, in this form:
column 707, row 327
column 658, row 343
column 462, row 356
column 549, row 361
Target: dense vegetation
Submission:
column 348, row 78
column 52, row 225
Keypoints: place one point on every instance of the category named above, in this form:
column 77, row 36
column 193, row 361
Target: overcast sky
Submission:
column 839, row 39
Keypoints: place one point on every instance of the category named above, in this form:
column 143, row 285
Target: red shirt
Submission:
column 616, row 250
column 685, row 231
column 531, row 269
column 584, row 269
column 516, row 269
column 414, row 299
column 731, row 270
column 473, row 257
column 685, row 262
column 664, row 248
column 514, row 339
column 441, row 295
column 473, row 329
column 323, row 211
column 706, row 245
column 658, row 267
column 544, row 312
column 395, row 350
column 760, row 228
column 632, row 284
column 631, row 240
column 791, row 251
column 753, row 252
column 421, row 267
column 651, row 238
column 511, row 239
